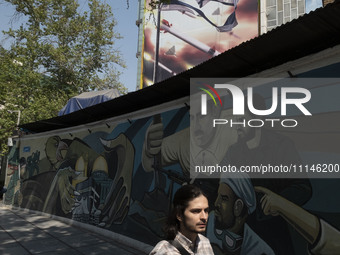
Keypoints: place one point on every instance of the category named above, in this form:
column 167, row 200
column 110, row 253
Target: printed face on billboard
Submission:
column 193, row 31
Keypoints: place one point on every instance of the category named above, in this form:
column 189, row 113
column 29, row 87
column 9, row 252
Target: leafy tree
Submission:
column 155, row 3
column 58, row 52
column 34, row 102
column 69, row 46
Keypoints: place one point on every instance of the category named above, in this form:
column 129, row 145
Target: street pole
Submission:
column 155, row 69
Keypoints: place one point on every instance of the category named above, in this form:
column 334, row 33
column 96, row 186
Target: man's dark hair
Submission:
column 181, row 200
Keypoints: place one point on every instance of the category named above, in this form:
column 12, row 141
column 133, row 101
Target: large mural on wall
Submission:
column 122, row 176
column 95, row 175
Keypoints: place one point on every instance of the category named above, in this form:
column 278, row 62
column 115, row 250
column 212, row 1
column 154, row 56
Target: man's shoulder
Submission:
column 162, row 244
column 203, row 238
column 204, row 246
column 163, row 248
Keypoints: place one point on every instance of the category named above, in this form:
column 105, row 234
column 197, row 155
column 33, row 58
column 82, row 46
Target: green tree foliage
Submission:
column 24, row 90
column 73, row 48
column 155, row 3
column 60, row 50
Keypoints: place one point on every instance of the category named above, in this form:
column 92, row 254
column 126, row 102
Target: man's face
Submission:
column 224, row 207
column 245, row 133
column 202, row 125
column 195, row 216
column 203, row 129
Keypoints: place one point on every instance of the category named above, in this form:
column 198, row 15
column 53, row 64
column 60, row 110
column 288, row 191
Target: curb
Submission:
column 119, row 238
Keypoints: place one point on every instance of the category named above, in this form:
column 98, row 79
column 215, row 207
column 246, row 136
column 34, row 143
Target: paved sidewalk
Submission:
column 25, row 232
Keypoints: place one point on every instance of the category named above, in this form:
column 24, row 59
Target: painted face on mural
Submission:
column 224, row 207
column 202, row 125
column 195, row 216
column 245, row 133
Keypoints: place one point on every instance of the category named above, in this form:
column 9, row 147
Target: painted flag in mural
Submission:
column 182, row 6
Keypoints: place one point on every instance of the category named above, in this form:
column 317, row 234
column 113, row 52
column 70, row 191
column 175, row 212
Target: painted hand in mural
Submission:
column 152, row 145
column 270, row 202
column 154, row 139
column 117, row 202
column 61, row 185
column 322, row 237
column 66, row 190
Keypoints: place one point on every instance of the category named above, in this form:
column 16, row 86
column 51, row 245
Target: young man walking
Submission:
column 188, row 219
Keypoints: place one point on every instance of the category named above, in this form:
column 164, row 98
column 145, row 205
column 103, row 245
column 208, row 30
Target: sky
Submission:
column 312, row 5
column 125, row 16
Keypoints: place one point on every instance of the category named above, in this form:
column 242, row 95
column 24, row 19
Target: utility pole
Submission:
column 155, row 69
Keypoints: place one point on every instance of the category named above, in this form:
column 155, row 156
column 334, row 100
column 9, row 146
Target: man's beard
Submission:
column 224, row 225
column 193, row 230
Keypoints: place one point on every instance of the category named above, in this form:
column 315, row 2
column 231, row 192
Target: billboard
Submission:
column 193, row 31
